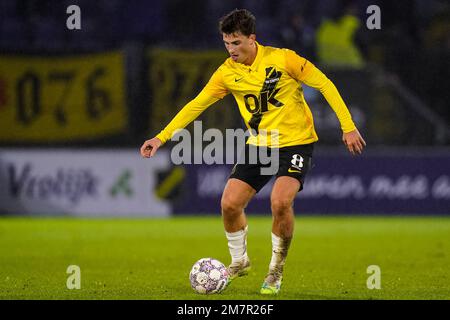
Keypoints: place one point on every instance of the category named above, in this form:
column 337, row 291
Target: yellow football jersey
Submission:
column 270, row 98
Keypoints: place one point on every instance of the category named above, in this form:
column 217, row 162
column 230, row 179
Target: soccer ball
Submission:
column 208, row 276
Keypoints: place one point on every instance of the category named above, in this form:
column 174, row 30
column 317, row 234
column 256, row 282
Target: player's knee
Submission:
column 281, row 206
column 230, row 207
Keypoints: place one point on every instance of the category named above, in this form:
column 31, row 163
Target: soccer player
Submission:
column 267, row 85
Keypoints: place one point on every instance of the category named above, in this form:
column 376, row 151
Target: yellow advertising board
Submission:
column 176, row 77
column 60, row 98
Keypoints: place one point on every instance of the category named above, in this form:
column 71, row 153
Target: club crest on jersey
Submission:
column 272, row 76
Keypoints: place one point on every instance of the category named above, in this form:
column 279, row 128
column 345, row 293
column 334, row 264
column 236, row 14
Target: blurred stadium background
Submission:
column 76, row 105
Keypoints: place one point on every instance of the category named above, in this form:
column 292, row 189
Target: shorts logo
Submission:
column 290, row 170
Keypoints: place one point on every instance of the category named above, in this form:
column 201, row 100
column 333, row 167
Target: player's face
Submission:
column 240, row 47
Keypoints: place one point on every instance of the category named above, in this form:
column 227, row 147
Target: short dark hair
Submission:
column 238, row 20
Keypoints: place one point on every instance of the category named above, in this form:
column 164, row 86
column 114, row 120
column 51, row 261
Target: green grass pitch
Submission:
column 151, row 258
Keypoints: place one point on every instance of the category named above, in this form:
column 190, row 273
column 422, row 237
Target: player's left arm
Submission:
column 304, row 71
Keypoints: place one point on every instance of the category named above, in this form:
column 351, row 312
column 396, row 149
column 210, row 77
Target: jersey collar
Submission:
column 254, row 65
column 258, row 57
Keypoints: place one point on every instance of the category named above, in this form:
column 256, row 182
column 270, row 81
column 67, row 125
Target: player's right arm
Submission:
column 212, row 92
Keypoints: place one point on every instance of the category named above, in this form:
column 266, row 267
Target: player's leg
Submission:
column 235, row 198
column 282, row 197
column 281, row 201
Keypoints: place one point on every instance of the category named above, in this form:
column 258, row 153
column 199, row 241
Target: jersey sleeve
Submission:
column 297, row 67
column 303, row 70
column 187, row 114
column 216, row 86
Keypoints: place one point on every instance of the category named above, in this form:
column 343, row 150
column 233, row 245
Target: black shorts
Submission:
column 254, row 168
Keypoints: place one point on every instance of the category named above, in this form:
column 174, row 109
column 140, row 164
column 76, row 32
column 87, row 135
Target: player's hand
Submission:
column 150, row 147
column 354, row 142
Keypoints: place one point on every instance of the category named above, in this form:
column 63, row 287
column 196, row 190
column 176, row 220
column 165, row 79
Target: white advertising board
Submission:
column 81, row 183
